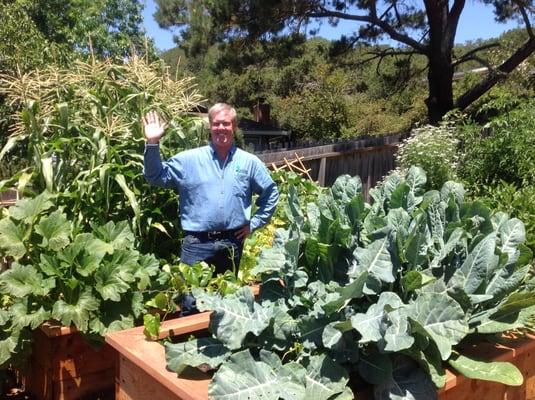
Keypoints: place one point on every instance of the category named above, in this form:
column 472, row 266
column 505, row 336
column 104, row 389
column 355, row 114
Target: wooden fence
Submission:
column 370, row 158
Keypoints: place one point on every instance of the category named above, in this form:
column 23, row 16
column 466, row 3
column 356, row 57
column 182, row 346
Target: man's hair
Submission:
column 217, row 107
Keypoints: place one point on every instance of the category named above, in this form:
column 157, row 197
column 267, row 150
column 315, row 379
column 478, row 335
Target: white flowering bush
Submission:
column 433, row 148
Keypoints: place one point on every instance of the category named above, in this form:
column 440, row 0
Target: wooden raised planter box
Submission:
column 63, row 366
column 8, row 198
column 141, row 372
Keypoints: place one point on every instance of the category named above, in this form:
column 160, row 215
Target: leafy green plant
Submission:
column 79, row 135
column 92, row 280
column 516, row 201
column 386, row 292
column 433, row 148
column 502, row 150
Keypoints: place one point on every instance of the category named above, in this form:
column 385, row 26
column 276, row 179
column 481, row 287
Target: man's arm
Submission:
column 268, row 196
column 158, row 173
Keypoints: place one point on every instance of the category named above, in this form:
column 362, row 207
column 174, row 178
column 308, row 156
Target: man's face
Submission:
column 222, row 129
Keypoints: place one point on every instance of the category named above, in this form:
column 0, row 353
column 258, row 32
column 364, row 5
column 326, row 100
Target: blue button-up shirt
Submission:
column 213, row 195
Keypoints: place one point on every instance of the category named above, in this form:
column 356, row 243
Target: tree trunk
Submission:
column 442, row 27
column 440, row 78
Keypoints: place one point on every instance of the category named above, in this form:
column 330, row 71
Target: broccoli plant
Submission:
column 384, row 292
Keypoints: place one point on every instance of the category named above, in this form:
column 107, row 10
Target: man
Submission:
column 215, row 184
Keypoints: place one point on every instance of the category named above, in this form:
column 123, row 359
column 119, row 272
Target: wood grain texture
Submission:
column 63, row 366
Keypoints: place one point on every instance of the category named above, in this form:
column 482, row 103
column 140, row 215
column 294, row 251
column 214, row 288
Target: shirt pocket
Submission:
column 241, row 185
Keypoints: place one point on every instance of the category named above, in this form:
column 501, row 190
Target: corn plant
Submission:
column 78, row 135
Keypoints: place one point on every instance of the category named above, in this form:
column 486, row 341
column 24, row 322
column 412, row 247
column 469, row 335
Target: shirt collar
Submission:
column 231, row 152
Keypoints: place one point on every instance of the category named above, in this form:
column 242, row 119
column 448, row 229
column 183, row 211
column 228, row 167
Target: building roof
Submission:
column 251, row 127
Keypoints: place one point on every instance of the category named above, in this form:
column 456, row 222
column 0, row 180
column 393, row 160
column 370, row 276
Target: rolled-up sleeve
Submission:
column 164, row 174
column 268, row 196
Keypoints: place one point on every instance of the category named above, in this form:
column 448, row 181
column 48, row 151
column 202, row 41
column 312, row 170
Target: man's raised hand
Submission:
column 153, row 127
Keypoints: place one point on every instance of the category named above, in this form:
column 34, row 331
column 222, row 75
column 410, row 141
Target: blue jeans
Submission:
column 224, row 254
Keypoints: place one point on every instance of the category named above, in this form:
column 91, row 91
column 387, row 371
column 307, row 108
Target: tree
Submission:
column 428, row 29
column 37, row 32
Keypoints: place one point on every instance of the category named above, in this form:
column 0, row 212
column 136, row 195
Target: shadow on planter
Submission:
column 63, row 366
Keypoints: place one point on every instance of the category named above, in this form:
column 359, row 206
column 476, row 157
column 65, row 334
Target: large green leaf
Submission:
column 23, row 280
column 506, row 322
column 294, row 213
column 436, row 220
column 119, row 235
column 50, row 265
column 497, row 371
column 407, row 382
column 478, row 266
column 195, row 353
column 512, row 233
column 8, row 346
column 372, row 324
column 324, row 378
column 453, row 190
column 242, row 377
column 413, row 280
column 418, row 242
column 429, row 360
column 55, row 230
column 109, row 281
column 77, row 313
column 313, row 217
column 514, row 303
column 12, row 238
column 24, row 315
column 353, row 290
column 506, row 281
column 311, row 330
column 148, row 267
column 397, row 336
column 346, row 188
column 130, row 195
column 28, row 209
column 441, row 318
column 377, row 259
column 375, row 368
column 270, row 260
column 236, row 315
column 282, row 331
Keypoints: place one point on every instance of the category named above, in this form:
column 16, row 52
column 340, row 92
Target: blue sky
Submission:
column 476, row 22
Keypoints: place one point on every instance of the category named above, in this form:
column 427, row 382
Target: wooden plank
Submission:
column 89, row 386
column 37, row 381
column 135, row 384
column 149, row 356
column 69, row 355
column 64, row 366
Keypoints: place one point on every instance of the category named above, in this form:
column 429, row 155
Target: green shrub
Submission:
column 501, row 150
column 94, row 280
column 433, row 148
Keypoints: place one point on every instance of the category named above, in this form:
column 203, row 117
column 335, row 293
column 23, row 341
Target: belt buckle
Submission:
column 212, row 234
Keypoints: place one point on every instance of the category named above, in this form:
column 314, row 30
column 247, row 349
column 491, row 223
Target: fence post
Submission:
column 321, row 172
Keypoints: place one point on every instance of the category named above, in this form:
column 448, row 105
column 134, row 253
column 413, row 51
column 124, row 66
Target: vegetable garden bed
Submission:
column 142, row 374
column 63, row 366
